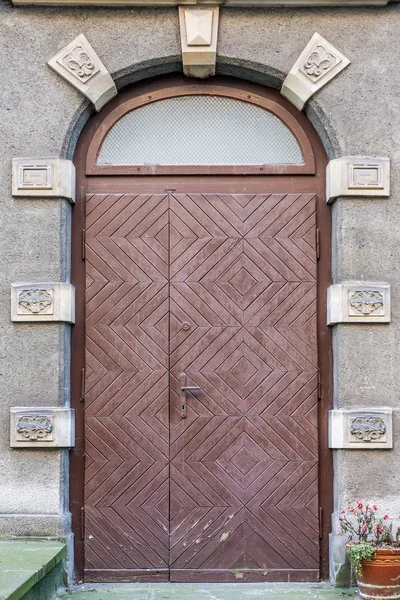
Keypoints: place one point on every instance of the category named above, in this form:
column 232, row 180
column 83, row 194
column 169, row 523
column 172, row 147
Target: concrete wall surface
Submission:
column 42, row 115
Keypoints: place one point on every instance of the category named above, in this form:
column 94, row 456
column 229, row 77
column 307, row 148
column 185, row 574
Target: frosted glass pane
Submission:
column 200, row 130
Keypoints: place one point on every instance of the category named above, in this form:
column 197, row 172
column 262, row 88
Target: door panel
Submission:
column 126, row 395
column 244, row 477
column 221, row 288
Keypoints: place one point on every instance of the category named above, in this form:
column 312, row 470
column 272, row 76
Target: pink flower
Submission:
column 364, row 528
column 385, row 518
column 342, row 512
column 359, row 504
column 375, row 507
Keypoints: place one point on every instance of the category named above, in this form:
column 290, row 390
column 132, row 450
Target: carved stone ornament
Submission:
column 358, row 176
column 42, row 427
column 366, row 302
column 35, row 301
column 353, row 302
column 43, row 178
column 319, row 62
column 361, row 428
column 367, row 428
column 79, row 63
column 35, row 427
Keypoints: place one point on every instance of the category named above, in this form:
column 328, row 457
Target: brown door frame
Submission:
column 229, row 180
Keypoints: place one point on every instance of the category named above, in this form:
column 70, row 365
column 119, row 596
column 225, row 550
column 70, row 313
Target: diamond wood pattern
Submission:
column 222, row 288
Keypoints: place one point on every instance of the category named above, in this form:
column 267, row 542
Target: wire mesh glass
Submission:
column 200, row 130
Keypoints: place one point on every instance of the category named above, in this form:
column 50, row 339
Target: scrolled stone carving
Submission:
column 34, row 427
column 319, row 62
column 35, row 301
column 366, row 302
column 79, row 63
column 367, row 428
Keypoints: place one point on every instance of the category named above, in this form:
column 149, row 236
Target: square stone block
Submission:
column 317, row 64
column 358, row 303
column 352, row 176
column 33, row 302
column 361, row 429
column 43, row 178
column 42, row 427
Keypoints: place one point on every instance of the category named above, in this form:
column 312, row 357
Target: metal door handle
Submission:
column 184, row 389
column 190, row 387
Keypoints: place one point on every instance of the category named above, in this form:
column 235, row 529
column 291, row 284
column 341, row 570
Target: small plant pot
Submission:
column 380, row 577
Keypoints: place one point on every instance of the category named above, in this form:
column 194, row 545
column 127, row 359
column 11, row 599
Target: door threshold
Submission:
column 207, row 591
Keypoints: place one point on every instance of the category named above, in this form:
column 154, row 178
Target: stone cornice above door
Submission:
column 227, row 3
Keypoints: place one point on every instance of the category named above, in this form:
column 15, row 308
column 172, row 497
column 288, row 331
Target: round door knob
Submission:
column 185, row 326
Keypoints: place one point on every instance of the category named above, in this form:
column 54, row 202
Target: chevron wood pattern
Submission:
column 222, row 288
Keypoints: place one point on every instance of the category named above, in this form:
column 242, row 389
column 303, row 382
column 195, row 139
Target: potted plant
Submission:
column 373, row 551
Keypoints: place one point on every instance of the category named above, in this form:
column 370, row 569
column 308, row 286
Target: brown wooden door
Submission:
column 216, row 291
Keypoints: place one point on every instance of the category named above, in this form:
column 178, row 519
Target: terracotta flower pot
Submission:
column 380, row 576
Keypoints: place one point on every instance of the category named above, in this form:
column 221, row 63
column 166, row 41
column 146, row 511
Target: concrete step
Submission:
column 31, row 569
column 208, row 591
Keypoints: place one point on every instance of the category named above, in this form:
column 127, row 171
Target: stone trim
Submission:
column 358, row 303
column 42, row 427
column 199, row 34
column 79, row 64
column 228, row 3
column 316, row 66
column 38, row 302
column 361, row 428
column 352, row 176
column 43, row 178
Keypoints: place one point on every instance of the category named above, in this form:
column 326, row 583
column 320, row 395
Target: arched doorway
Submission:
column 201, row 355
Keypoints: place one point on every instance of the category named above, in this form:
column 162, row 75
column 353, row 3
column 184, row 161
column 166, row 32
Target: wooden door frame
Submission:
column 232, row 181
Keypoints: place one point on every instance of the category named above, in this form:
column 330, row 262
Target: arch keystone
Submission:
column 199, row 32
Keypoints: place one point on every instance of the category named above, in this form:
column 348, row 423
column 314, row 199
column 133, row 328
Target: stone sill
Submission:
column 227, row 3
column 24, row 563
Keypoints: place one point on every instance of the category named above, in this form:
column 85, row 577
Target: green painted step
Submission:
column 23, row 563
column 208, row 591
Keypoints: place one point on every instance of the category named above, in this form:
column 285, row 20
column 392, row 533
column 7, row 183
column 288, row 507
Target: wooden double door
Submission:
column 201, row 392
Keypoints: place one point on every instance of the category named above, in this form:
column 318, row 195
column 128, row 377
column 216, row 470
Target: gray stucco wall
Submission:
column 41, row 115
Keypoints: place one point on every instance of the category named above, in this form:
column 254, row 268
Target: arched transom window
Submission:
column 200, row 130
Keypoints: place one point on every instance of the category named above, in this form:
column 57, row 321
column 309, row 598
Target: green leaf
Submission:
column 358, row 553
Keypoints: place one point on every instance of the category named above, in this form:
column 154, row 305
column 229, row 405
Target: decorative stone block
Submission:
column 360, row 429
column 199, row 33
column 357, row 176
column 79, row 64
column 42, row 427
column 358, row 303
column 32, row 302
column 43, row 178
column 317, row 64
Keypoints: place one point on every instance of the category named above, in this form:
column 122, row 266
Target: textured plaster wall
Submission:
column 40, row 114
